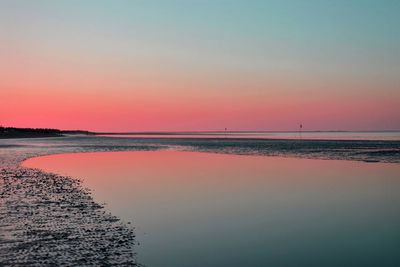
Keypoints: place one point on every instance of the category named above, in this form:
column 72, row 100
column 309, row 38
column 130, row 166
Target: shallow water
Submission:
column 306, row 135
column 202, row 209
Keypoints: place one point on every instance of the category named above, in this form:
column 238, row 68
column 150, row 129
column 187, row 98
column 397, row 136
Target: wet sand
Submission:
column 49, row 219
column 46, row 219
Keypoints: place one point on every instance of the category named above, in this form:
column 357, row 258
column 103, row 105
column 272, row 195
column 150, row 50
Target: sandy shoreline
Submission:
column 47, row 219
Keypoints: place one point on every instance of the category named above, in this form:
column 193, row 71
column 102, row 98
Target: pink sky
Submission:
column 131, row 67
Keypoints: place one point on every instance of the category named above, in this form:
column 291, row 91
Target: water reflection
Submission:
column 200, row 209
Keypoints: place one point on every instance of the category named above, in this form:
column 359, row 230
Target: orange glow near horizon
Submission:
column 134, row 67
column 132, row 112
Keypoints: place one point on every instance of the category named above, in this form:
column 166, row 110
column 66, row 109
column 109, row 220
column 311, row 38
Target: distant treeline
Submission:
column 11, row 132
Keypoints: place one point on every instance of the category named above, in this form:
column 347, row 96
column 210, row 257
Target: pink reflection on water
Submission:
column 190, row 203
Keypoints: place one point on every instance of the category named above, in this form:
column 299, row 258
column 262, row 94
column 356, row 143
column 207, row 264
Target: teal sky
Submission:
column 288, row 55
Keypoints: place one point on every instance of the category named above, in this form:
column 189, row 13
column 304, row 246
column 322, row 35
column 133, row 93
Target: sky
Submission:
column 192, row 65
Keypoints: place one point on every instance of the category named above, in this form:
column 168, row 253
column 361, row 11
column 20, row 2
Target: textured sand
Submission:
column 50, row 219
column 46, row 219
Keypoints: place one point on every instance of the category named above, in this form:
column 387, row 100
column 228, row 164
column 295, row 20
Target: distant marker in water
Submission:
column 300, row 129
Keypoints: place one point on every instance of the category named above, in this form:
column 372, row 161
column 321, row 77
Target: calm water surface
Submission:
column 315, row 135
column 200, row 209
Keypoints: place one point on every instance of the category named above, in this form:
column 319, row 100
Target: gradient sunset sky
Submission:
column 200, row 65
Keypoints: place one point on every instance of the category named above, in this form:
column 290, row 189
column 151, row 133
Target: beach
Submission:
column 51, row 219
column 200, row 133
column 47, row 219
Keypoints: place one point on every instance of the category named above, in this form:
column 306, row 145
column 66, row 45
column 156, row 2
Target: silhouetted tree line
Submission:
column 11, row 132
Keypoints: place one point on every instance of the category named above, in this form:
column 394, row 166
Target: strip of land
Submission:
column 12, row 132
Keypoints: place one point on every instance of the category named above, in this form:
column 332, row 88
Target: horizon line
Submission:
column 234, row 131
column 198, row 131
